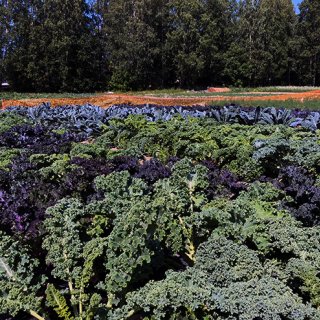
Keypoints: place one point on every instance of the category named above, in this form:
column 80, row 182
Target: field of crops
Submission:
column 148, row 212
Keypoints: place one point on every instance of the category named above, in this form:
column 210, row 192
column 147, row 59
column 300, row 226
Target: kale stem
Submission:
column 34, row 314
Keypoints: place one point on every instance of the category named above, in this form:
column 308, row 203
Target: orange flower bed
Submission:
column 112, row 99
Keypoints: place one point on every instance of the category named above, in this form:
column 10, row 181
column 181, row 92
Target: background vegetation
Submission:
column 81, row 46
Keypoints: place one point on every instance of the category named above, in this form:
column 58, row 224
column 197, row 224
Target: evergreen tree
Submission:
column 220, row 21
column 183, row 41
column 65, row 47
column 3, row 37
column 277, row 20
column 53, row 46
column 262, row 51
column 84, row 45
column 97, row 10
column 19, row 22
column 133, row 43
column 308, row 33
column 199, row 34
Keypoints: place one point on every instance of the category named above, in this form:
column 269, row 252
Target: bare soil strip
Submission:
column 108, row 100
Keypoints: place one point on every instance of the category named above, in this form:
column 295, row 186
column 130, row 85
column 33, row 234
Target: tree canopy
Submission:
column 80, row 45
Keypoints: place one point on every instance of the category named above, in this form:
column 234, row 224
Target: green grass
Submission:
column 281, row 89
column 18, row 95
column 234, row 91
column 274, row 89
column 190, row 93
column 288, row 104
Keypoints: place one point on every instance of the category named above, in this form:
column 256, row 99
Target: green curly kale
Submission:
column 19, row 281
column 228, row 281
column 72, row 260
column 9, row 120
column 6, row 157
column 274, row 153
column 52, row 167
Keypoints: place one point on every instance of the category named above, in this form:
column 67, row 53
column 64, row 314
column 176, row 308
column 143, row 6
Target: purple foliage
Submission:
column 222, row 182
column 122, row 163
column 153, row 170
column 39, row 139
column 172, row 161
column 80, row 180
column 25, row 194
column 300, row 185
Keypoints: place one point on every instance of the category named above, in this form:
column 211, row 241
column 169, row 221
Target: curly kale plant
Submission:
column 20, row 280
column 211, row 289
column 176, row 214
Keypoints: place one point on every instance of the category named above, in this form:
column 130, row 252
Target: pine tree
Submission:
column 308, row 33
column 277, row 20
column 261, row 53
column 219, row 19
column 67, row 47
column 133, row 44
column 199, row 33
column 183, row 41
column 53, row 46
column 19, row 22
column 97, row 9
column 81, row 45
column 3, row 37
column 241, row 58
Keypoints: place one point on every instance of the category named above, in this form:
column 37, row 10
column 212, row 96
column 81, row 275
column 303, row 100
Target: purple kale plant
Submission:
column 153, row 170
column 222, row 182
column 39, row 139
column 305, row 195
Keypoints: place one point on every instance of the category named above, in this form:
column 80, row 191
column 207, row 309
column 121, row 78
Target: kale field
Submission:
column 146, row 212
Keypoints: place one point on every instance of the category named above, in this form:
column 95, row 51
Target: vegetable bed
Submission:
column 144, row 212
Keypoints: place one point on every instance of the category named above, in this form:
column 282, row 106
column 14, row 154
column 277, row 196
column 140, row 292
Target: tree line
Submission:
column 78, row 45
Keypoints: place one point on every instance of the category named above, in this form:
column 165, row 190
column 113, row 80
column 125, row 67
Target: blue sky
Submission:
column 296, row 2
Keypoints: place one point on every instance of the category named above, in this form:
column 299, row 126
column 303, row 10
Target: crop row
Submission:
column 91, row 117
column 109, row 216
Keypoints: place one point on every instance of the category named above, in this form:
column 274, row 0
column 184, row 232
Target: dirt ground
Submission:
column 108, row 100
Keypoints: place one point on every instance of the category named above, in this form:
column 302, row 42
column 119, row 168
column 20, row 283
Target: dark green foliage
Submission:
column 3, row 37
column 261, row 54
column 135, row 56
column 94, row 45
column 308, row 36
column 211, row 289
column 19, row 278
column 52, row 46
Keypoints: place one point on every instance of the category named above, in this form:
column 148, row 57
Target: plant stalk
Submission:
column 34, row 314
